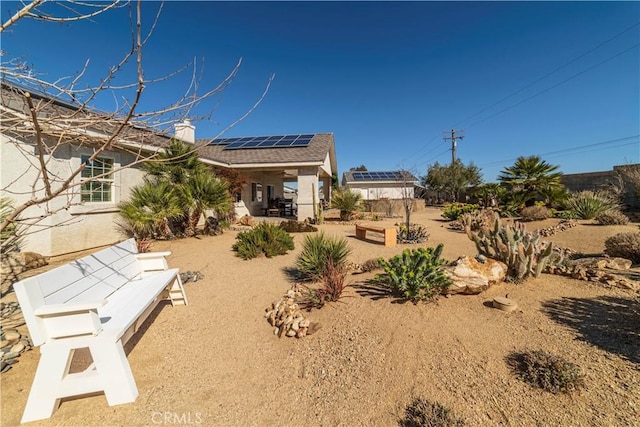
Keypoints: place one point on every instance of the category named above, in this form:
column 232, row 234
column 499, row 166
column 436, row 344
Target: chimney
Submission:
column 186, row 131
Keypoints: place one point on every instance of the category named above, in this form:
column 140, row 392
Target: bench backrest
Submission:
column 88, row 279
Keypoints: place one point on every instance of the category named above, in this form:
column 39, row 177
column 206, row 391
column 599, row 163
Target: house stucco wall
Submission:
column 379, row 191
column 63, row 224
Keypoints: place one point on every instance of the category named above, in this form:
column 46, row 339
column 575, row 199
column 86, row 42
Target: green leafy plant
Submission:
column 317, row 250
column 416, row 233
column 347, row 201
column 566, row 214
column 624, row 245
column 612, row 217
column 11, row 239
column 453, row 211
column 416, row 274
column 535, row 213
column 423, row 413
column 546, row 371
column 264, row 238
column 524, row 253
column 589, row 204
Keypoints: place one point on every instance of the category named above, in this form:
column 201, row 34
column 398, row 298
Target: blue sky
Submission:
column 519, row 78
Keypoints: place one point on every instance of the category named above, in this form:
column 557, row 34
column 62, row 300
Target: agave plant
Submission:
column 589, row 204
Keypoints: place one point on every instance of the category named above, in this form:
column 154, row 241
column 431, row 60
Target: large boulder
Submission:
column 471, row 276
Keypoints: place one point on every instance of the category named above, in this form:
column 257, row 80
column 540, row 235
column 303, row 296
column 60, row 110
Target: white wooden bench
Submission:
column 97, row 302
column 390, row 233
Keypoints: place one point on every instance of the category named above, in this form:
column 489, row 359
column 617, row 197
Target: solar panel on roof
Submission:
column 376, row 176
column 276, row 141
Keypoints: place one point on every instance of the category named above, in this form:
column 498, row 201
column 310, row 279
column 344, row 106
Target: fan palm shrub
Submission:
column 149, row 210
column 531, row 177
column 347, row 201
column 317, row 250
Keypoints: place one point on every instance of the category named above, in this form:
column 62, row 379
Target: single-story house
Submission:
column 85, row 216
column 376, row 185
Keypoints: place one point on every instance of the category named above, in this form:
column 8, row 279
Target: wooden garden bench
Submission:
column 390, row 233
column 97, row 302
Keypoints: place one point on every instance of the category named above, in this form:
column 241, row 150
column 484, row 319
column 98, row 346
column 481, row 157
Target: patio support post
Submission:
column 307, row 181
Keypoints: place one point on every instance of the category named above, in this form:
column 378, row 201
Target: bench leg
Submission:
column 390, row 237
column 360, row 233
column 177, row 295
column 46, row 390
column 115, row 373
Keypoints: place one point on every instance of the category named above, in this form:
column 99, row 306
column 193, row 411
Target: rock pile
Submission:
column 12, row 342
column 563, row 225
column 287, row 319
column 191, row 276
column 594, row 269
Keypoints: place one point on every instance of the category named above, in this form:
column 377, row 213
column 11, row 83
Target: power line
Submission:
column 570, row 151
column 536, row 81
column 548, row 74
column 556, row 85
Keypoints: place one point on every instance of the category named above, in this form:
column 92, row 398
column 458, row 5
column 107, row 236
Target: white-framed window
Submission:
column 98, row 180
column 256, row 192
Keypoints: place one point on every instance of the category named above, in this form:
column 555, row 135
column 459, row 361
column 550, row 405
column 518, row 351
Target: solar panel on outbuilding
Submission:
column 276, row 141
column 377, row 176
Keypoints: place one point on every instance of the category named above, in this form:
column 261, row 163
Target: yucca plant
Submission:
column 317, row 250
column 589, row 204
column 415, row 274
column 263, row 239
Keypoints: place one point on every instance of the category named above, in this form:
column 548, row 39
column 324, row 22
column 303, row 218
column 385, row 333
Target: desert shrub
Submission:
column 423, row 413
column 370, row 265
column 143, row 245
column 612, row 217
column 535, row 213
column 546, row 371
column 624, row 245
column 317, row 250
column 453, row 211
column 414, row 234
column 293, row 226
column 264, row 238
column 589, row 204
column 415, row 274
column 333, row 284
column 566, row 214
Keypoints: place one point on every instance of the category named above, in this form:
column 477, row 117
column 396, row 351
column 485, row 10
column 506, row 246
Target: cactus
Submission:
column 524, row 253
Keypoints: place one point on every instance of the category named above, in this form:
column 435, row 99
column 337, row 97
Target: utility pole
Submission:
column 453, row 138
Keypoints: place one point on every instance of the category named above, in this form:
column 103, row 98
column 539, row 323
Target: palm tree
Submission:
column 191, row 182
column 530, row 177
column 204, row 191
column 148, row 212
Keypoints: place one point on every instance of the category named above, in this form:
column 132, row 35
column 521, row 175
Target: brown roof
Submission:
column 321, row 145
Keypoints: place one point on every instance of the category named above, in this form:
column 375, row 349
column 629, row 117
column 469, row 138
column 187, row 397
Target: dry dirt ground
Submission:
column 216, row 361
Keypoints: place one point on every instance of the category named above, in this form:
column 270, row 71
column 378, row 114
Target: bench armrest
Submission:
column 70, row 320
column 153, row 261
column 62, row 309
column 153, row 255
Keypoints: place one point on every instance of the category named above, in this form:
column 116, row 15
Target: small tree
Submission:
column 452, row 179
column 347, row 201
